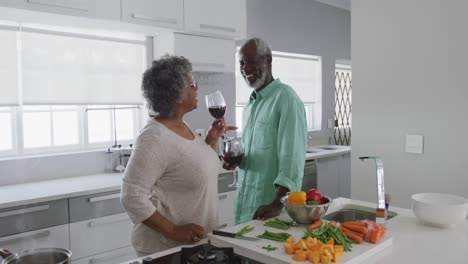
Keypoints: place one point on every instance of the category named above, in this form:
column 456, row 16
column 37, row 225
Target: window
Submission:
column 302, row 72
column 343, row 101
column 63, row 91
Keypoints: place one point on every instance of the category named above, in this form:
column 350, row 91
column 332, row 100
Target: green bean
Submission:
column 274, row 236
column 278, row 224
column 245, row 230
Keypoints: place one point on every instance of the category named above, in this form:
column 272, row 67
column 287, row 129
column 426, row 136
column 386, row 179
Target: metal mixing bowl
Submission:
column 305, row 214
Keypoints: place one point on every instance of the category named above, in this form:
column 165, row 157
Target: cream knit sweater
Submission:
column 177, row 177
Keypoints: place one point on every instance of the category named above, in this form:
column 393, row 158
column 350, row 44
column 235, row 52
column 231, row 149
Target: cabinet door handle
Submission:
column 38, row 2
column 104, row 197
column 99, row 222
column 21, row 237
column 154, row 19
column 222, row 197
column 106, row 259
column 218, row 28
column 208, row 64
column 25, row 210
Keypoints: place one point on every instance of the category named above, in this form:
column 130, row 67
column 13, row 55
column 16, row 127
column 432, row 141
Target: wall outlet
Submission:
column 201, row 132
column 414, row 144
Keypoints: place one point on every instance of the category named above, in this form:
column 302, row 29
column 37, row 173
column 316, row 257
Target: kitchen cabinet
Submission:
column 226, row 195
column 95, row 236
column 98, row 224
column 225, row 18
column 334, row 176
column 309, row 181
column 52, row 237
column 111, row 257
column 205, row 53
column 160, row 13
column 103, row 9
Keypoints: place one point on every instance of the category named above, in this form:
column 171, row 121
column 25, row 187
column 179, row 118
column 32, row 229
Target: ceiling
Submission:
column 344, row 4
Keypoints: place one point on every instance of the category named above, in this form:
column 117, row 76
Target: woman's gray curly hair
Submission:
column 164, row 82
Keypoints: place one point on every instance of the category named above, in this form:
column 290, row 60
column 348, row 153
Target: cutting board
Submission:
column 363, row 253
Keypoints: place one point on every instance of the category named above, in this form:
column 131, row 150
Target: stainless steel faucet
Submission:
column 381, row 211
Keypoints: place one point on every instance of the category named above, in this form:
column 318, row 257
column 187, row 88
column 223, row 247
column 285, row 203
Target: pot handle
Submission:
column 5, row 253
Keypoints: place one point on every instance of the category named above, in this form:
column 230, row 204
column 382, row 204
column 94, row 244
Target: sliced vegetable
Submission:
column 279, row 224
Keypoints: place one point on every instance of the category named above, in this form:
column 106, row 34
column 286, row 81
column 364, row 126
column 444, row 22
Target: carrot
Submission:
column 364, row 224
column 355, row 228
column 315, row 225
column 344, row 229
column 375, row 235
column 353, row 237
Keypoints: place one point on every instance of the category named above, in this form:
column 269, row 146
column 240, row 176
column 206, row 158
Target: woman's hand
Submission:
column 189, row 233
column 217, row 129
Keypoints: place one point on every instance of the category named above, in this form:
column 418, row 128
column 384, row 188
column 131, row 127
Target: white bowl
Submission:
column 440, row 209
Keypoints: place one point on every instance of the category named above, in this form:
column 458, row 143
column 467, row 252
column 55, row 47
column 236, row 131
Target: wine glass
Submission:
column 216, row 104
column 233, row 154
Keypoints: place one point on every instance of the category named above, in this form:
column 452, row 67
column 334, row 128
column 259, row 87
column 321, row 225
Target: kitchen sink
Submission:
column 352, row 212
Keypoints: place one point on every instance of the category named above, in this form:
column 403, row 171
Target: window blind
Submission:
column 8, row 68
column 71, row 69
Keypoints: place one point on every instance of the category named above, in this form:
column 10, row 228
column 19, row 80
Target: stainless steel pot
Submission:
column 37, row 256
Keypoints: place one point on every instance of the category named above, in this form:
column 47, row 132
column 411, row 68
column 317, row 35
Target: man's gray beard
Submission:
column 259, row 82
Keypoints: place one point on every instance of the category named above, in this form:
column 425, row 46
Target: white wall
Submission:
column 308, row 27
column 410, row 76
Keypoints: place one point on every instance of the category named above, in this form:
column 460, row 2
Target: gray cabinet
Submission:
column 309, row 181
column 334, row 176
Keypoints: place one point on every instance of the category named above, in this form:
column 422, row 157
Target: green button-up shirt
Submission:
column 274, row 137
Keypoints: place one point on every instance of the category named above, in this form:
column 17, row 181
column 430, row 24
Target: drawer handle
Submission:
column 208, row 64
column 106, row 259
column 55, row 5
column 222, row 226
column 25, row 210
column 99, row 222
column 222, row 197
column 154, row 19
column 104, row 197
column 219, row 28
column 20, row 237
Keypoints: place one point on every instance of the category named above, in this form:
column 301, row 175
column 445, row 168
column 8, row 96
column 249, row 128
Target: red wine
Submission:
column 217, row 111
column 234, row 161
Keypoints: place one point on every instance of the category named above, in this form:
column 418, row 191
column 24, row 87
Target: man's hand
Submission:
column 268, row 211
column 274, row 209
column 189, row 233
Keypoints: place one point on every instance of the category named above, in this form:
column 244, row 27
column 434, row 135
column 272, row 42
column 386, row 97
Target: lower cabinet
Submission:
column 111, row 257
column 52, row 237
column 226, row 209
column 334, row 176
column 92, row 237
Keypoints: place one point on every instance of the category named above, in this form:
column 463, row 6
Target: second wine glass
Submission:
column 233, row 154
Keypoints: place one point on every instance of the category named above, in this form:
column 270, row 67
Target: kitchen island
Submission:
column 406, row 241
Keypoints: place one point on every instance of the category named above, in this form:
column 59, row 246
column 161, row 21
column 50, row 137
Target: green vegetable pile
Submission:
column 325, row 232
column 279, row 224
column 245, row 230
column 274, row 236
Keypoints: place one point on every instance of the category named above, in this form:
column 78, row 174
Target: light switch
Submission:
column 414, row 144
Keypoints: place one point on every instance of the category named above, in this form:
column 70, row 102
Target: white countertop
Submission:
column 36, row 192
column 407, row 241
column 324, row 151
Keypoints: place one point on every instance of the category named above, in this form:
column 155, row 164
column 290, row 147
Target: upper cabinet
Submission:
column 104, row 9
column 160, row 13
column 225, row 18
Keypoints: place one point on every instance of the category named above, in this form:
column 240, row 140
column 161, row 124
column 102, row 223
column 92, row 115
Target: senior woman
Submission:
column 169, row 187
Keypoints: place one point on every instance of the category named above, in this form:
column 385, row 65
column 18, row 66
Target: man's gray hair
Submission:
column 263, row 48
column 164, row 82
